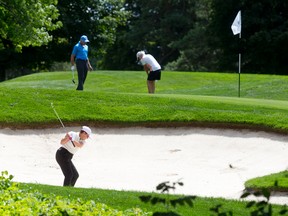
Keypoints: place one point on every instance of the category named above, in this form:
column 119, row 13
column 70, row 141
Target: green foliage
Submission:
column 187, row 35
column 210, row 44
column 217, row 210
column 25, row 23
column 262, row 207
column 195, row 35
column 196, row 54
column 154, row 26
column 5, row 180
column 14, row 201
column 264, row 35
column 98, row 19
column 166, row 187
column 256, row 208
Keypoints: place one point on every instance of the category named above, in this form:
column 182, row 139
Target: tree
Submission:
column 97, row 19
column 195, row 52
column 211, row 46
column 154, row 26
column 24, row 23
column 27, row 22
column 264, row 35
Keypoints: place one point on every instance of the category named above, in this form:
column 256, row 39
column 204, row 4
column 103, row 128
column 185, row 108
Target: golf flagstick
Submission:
column 60, row 120
column 236, row 29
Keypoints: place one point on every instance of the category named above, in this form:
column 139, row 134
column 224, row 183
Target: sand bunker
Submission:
column 210, row 162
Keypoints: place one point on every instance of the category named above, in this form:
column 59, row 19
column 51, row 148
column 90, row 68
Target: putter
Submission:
column 60, row 120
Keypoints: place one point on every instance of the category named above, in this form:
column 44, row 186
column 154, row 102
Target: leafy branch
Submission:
column 166, row 187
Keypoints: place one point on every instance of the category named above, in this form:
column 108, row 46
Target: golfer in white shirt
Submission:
column 152, row 68
column 71, row 143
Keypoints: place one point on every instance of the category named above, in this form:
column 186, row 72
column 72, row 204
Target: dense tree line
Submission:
column 188, row 35
column 97, row 19
column 264, row 35
column 205, row 41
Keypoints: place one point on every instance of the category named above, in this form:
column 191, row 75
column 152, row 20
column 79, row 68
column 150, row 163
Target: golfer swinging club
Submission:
column 71, row 143
column 152, row 68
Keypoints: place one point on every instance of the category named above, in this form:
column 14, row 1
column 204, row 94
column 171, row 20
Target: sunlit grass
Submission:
column 121, row 97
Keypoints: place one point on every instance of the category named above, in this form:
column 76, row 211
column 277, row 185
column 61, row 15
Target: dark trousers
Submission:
column 82, row 70
column 63, row 158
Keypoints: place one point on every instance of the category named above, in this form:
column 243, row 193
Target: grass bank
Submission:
column 120, row 98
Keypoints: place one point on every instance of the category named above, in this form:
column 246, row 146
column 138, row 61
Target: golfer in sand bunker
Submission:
column 71, row 143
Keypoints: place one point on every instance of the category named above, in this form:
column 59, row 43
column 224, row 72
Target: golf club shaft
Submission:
column 60, row 120
column 57, row 115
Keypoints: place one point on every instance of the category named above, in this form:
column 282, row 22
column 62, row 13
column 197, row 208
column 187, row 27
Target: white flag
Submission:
column 236, row 25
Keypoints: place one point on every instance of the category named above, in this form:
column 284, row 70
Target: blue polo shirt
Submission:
column 80, row 52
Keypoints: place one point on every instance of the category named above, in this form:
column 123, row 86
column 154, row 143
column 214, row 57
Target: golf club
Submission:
column 72, row 70
column 60, row 120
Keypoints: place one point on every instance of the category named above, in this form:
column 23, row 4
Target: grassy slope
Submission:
column 121, row 97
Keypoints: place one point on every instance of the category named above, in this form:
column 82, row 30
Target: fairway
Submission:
column 210, row 162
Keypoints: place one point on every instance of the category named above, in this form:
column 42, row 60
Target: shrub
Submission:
column 14, row 201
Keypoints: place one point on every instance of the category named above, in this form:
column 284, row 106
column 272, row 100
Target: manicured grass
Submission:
column 180, row 83
column 275, row 182
column 120, row 97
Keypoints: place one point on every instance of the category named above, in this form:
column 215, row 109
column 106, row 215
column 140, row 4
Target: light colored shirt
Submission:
column 149, row 59
column 80, row 51
column 69, row 145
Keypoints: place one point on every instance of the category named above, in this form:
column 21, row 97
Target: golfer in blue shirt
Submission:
column 80, row 53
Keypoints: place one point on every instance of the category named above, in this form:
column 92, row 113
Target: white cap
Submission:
column 87, row 130
column 140, row 54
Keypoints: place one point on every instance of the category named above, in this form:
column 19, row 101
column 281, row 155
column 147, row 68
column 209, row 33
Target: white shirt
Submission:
column 149, row 59
column 69, row 145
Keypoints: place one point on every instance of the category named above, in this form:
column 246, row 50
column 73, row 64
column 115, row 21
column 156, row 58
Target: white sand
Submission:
column 140, row 158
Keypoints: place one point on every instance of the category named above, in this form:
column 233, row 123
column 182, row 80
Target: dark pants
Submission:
column 63, row 158
column 154, row 75
column 82, row 69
